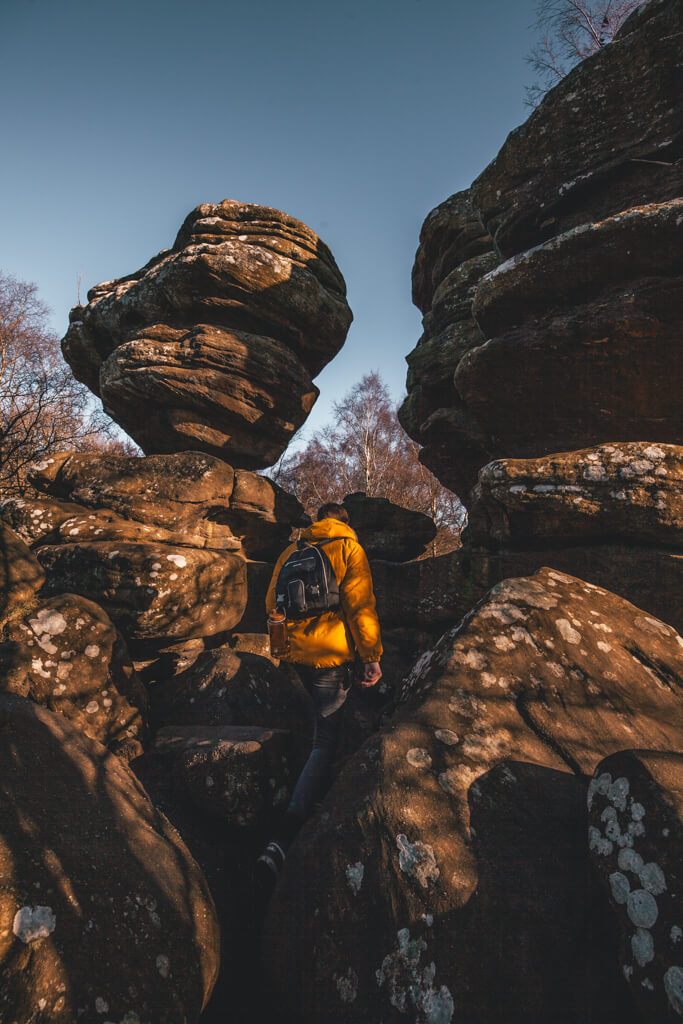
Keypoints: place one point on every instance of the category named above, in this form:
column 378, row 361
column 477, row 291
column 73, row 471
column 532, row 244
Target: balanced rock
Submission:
column 212, row 345
column 635, row 802
column 79, row 667
column 238, row 774
column 415, row 894
column 389, row 531
column 105, row 914
column 21, row 575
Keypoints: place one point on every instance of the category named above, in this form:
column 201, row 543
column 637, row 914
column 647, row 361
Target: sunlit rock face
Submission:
column 106, row 914
column 160, row 542
column 635, row 836
column 572, row 341
column 460, row 828
column 212, row 345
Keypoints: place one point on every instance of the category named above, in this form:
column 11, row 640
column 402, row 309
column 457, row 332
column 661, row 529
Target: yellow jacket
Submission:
column 334, row 637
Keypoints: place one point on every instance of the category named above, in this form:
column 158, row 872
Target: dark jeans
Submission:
column 328, row 689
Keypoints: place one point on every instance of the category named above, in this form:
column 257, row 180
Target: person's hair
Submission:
column 332, row 510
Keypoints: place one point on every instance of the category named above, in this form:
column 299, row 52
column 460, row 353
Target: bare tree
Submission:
column 43, row 408
column 570, row 31
column 365, row 449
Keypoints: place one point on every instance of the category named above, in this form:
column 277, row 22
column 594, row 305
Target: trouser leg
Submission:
column 328, row 689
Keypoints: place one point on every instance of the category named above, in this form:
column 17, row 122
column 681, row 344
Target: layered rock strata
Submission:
column 465, row 819
column 212, row 345
column 455, row 252
column 610, row 513
column 578, row 329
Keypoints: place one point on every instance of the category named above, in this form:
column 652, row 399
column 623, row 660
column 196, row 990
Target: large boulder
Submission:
column 635, row 834
column 603, row 138
column 389, row 531
column 80, row 667
column 212, row 344
column 236, row 774
column 152, row 590
column 105, row 915
column 464, row 819
column 21, row 575
column 190, row 495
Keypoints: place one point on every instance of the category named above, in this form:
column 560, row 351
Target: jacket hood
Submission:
column 328, row 528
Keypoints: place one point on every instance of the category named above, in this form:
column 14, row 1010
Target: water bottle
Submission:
column 279, row 636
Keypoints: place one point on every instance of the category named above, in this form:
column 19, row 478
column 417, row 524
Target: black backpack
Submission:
column 306, row 584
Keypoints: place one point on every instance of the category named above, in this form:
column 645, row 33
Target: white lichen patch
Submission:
column 472, row 658
column 417, row 860
column 411, row 988
column 567, row 632
column 652, row 879
column 618, row 792
column 419, row 757
column 92, row 651
column 454, row 780
column 32, row 923
column 354, row 877
column 642, row 947
column 347, row 985
column 675, row 934
column 620, row 886
column 642, row 908
column 598, row 843
column 163, row 965
column 487, row 744
column 447, row 736
column 673, row 986
column 178, row 560
column 101, row 1005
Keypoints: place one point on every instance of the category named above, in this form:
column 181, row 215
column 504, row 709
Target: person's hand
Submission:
column 372, row 673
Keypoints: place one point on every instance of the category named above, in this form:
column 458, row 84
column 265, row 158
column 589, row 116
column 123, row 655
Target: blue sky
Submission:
column 357, row 118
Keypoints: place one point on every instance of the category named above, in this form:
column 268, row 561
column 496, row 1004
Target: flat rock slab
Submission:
column 79, row 667
column 191, row 494
column 104, row 914
column 602, row 139
column 238, row 774
column 630, row 491
column 21, row 574
column 226, row 687
column 635, row 834
column 211, row 345
column 410, row 908
column 152, row 590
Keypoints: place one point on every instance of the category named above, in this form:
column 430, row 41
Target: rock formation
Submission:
column 211, row 346
column 635, row 803
column 460, row 828
column 569, row 339
column 105, row 913
column 389, row 531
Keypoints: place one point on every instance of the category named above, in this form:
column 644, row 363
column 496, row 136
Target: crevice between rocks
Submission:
column 523, row 710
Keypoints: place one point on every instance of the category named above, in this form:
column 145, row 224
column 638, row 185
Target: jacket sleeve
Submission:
column 359, row 606
column 270, row 596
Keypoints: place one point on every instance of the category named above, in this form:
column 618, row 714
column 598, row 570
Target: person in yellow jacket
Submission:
column 323, row 649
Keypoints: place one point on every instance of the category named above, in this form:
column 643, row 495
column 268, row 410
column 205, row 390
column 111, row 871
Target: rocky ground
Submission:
column 502, row 840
